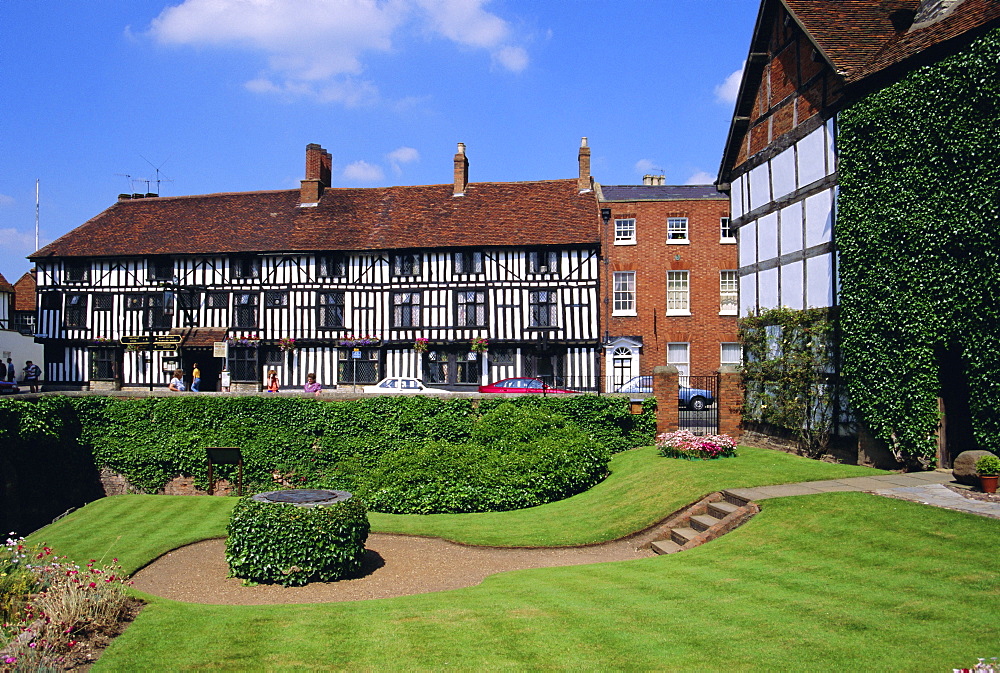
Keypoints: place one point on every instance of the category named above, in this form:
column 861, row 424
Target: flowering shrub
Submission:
column 684, row 444
column 286, row 344
column 479, row 344
column 63, row 603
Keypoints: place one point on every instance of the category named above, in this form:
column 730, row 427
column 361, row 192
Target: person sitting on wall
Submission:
column 177, row 383
column 312, row 386
column 273, row 384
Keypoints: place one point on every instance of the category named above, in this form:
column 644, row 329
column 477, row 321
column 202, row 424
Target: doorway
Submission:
column 210, row 367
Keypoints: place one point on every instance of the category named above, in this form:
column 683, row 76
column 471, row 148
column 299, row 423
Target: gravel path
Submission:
column 394, row 565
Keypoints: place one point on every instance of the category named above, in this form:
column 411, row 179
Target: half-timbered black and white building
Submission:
column 351, row 284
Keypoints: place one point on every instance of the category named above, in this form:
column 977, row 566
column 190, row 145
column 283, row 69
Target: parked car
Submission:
column 695, row 399
column 401, row 384
column 9, row 387
column 523, row 385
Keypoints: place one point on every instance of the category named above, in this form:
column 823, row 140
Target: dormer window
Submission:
column 77, row 272
column 245, row 266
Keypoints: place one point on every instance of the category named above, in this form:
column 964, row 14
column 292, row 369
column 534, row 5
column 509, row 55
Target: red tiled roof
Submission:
column 4, row 285
column 489, row 214
column 24, row 292
column 200, row 337
column 859, row 39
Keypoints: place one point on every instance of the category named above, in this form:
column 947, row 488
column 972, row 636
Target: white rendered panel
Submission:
column 783, row 173
column 767, row 282
column 791, row 228
column 760, row 188
column 748, row 295
column 746, row 238
column 767, row 237
column 791, row 285
column 819, row 275
column 812, row 157
column 736, row 198
column 831, row 147
column 819, row 218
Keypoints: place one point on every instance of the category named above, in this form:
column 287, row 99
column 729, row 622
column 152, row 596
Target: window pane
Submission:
column 331, row 309
column 678, row 294
column 677, row 228
column 725, row 230
column 624, row 230
column 624, row 292
column 732, row 354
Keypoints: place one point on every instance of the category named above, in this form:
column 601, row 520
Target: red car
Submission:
column 523, row 385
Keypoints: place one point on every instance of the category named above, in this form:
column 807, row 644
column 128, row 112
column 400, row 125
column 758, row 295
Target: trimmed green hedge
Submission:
column 336, row 444
column 290, row 545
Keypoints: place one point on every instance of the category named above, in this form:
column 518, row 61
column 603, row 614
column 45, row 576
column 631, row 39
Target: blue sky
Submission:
column 224, row 95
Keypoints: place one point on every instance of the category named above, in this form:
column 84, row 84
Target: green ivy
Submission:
column 917, row 225
column 788, row 374
column 291, row 545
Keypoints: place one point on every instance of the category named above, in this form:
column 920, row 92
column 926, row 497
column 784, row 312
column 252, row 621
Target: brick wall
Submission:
column 651, row 257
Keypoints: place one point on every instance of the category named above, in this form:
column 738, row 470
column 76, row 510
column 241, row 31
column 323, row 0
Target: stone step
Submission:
column 734, row 499
column 721, row 509
column 665, row 546
column 702, row 522
column 683, row 535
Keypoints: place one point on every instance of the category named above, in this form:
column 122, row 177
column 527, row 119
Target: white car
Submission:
column 400, row 384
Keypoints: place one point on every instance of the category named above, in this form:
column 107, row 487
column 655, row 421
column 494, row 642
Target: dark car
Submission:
column 692, row 398
column 522, row 385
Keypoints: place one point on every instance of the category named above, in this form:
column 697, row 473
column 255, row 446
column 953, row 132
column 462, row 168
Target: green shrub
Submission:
column 287, row 544
column 988, row 465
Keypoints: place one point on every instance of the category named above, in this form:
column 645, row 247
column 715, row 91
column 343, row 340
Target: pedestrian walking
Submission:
column 196, row 379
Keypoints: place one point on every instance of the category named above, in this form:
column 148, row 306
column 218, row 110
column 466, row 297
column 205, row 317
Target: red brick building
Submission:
column 669, row 280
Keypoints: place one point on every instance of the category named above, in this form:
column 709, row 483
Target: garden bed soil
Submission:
column 394, row 565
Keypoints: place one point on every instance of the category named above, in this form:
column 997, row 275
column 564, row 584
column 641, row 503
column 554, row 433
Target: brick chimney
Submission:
column 319, row 164
column 461, row 171
column 584, row 182
column 654, row 180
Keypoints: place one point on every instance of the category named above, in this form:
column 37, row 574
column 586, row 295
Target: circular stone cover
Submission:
column 304, row 497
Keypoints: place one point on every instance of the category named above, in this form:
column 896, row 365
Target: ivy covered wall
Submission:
column 917, row 230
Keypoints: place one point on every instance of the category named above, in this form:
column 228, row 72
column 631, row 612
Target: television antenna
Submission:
column 159, row 175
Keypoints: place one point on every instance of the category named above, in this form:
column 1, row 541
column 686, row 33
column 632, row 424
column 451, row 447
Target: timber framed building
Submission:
column 349, row 284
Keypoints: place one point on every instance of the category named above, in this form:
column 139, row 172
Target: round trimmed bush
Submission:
column 282, row 543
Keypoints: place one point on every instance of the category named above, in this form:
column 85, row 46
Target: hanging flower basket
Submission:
column 251, row 341
column 420, row 345
column 287, row 344
column 479, row 344
column 352, row 341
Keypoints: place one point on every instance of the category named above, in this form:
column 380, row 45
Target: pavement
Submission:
column 923, row 487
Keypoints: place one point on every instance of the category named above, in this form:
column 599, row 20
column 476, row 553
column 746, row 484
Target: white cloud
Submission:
column 700, row 178
column 730, row 88
column 364, row 172
column 313, row 46
column 16, row 243
column 646, row 166
column 6, row 200
column 400, row 156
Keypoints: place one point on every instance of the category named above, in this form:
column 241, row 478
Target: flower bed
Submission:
column 686, row 445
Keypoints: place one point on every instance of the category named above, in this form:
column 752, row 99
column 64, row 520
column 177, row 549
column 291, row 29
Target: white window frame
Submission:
column 726, row 234
column 679, row 355
column 624, row 297
column 678, row 293
column 625, row 231
column 733, row 346
column 729, row 293
column 677, row 231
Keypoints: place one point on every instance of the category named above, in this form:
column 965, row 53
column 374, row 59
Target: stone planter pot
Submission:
column 988, row 483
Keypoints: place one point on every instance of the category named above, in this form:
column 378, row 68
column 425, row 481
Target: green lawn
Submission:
column 828, row 582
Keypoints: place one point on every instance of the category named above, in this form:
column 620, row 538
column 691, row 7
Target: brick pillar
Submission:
column 730, row 401
column 583, row 182
column 665, row 387
column 461, row 171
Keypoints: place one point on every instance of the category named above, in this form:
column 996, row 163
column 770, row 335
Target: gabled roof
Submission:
column 24, row 292
column 550, row 212
column 5, row 286
column 660, row 193
column 863, row 37
column 867, row 43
